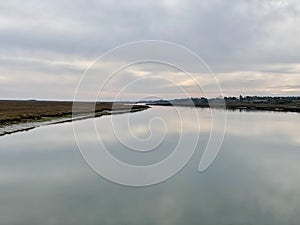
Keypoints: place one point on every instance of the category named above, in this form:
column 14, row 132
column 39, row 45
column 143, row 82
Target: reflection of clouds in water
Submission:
column 254, row 180
column 267, row 176
column 275, row 126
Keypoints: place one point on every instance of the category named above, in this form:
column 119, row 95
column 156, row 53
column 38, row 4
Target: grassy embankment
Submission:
column 14, row 112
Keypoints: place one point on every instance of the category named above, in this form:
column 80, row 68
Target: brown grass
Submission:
column 12, row 111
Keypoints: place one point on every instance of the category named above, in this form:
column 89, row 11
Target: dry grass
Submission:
column 21, row 111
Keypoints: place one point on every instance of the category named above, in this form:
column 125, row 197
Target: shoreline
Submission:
column 18, row 116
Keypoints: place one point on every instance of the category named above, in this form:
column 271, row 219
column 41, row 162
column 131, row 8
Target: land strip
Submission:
column 31, row 114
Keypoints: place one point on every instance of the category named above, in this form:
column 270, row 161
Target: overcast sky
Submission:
column 253, row 47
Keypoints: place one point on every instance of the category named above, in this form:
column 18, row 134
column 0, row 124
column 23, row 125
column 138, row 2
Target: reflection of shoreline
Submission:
column 241, row 107
column 17, row 116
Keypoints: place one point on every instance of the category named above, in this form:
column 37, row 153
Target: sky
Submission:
column 46, row 46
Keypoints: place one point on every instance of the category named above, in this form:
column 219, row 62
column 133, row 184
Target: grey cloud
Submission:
column 231, row 37
column 215, row 29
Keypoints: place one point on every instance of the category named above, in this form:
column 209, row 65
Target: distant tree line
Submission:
column 241, row 100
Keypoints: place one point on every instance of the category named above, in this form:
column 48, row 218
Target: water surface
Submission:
column 255, row 179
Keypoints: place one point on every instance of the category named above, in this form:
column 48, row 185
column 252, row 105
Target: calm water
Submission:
column 254, row 180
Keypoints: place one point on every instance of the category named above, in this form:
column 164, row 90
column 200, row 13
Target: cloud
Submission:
column 55, row 38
